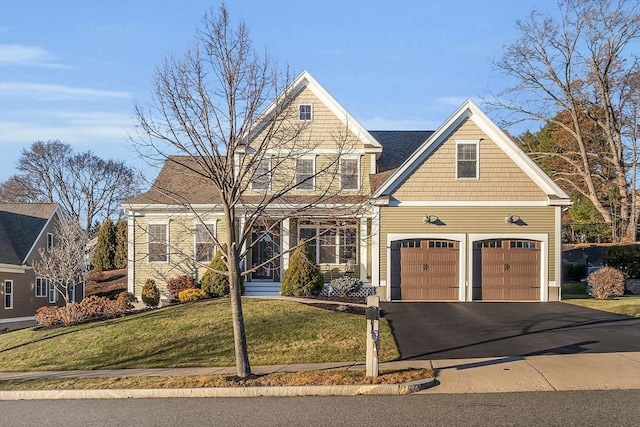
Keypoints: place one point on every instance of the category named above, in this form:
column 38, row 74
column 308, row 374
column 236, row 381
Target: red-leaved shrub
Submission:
column 178, row 284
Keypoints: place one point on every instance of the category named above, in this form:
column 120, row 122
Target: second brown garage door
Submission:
column 506, row 270
column 429, row 270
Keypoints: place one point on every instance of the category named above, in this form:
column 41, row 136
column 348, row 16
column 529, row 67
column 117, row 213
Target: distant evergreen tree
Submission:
column 120, row 257
column 303, row 276
column 105, row 250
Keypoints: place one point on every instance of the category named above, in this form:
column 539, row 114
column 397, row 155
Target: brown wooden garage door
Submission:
column 429, row 270
column 507, row 270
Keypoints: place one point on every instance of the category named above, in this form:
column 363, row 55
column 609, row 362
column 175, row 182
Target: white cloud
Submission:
column 45, row 92
column 70, row 127
column 15, row 54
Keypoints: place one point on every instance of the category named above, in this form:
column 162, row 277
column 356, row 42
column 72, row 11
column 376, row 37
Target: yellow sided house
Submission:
column 456, row 214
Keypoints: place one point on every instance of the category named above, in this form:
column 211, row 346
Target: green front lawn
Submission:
column 629, row 305
column 198, row 334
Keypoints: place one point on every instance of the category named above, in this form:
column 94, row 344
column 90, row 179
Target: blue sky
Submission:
column 71, row 70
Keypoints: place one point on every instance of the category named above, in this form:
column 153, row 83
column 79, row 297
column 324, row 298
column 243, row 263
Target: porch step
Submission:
column 261, row 289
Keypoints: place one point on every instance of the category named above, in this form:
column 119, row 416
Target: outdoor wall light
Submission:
column 512, row 219
column 430, row 219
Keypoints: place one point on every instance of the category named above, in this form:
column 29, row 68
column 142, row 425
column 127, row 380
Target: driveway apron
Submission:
column 472, row 330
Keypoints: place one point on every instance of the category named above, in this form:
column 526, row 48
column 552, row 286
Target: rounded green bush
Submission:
column 303, row 276
column 150, row 293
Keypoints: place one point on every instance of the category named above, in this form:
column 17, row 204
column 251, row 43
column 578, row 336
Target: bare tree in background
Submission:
column 215, row 108
column 580, row 74
column 87, row 187
column 64, row 264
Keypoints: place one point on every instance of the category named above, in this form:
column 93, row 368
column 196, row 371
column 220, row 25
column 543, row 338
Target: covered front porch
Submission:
column 340, row 247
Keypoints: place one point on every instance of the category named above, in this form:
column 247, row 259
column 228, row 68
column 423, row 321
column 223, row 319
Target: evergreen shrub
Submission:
column 303, row 276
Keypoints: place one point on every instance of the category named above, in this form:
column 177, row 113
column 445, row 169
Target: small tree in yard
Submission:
column 303, row 277
column 606, row 282
column 120, row 257
column 105, row 250
column 64, row 263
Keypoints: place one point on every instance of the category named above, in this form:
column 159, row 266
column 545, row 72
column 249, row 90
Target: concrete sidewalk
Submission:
column 591, row 371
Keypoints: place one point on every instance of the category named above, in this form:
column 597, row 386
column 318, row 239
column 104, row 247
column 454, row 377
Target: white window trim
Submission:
column 270, row 176
column 49, row 241
column 195, row 241
column 5, row 294
column 357, row 159
column 305, row 104
column 72, row 292
column 51, row 291
column 477, row 145
column 313, row 173
column 166, row 238
column 43, row 286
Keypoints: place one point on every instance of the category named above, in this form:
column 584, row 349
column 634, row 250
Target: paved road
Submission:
column 588, row 408
column 472, row 330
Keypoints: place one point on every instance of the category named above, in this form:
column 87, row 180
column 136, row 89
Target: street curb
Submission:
column 340, row 390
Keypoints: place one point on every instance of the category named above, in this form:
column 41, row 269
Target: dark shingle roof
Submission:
column 397, row 146
column 20, row 226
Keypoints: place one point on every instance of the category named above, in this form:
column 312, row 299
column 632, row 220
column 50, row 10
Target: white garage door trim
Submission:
column 460, row 238
column 544, row 258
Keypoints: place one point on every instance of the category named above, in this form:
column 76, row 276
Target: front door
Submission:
column 266, row 245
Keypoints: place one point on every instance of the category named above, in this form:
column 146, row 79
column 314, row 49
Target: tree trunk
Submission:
column 243, row 368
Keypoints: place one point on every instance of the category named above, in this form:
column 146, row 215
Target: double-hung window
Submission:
column 305, row 169
column 204, row 244
column 158, row 242
column 349, row 174
column 306, row 112
column 261, row 178
column 51, row 290
column 49, row 241
column 8, row 294
column 467, row 159
column 41, row 287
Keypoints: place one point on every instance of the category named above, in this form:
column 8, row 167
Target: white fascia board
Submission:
column 11, row 268
column 42, row 231
column 470, row 110
column 466, row 203
column 306, row 80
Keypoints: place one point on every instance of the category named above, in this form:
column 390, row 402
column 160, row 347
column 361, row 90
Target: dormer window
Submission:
column 306, row 112
column 467, row 159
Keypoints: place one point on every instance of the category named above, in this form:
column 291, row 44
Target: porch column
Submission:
column 131, row 252
column 241, row 223
column 285, row 244
column 364, row 238
column 375, row 247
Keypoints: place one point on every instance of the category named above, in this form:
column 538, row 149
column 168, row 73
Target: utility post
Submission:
column 373, row 329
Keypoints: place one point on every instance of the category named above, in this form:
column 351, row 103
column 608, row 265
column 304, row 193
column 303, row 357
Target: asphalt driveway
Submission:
column 471, row 330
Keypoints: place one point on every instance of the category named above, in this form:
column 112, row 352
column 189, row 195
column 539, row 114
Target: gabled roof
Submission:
column 305, row 80
column 469, row 110
column 21, row 225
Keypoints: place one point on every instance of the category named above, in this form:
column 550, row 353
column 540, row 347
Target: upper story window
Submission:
column 204, row 244
column 305, row 170
column 467, row 159
column 349, row 174
column 261, row 179
column 49, row 241
column 306, row 112
column 158, row 242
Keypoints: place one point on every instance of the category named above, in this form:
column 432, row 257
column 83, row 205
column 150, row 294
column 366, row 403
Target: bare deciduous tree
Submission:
column 87, row 187
column 228, row 113
column 580, row 74
column 64, row 263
